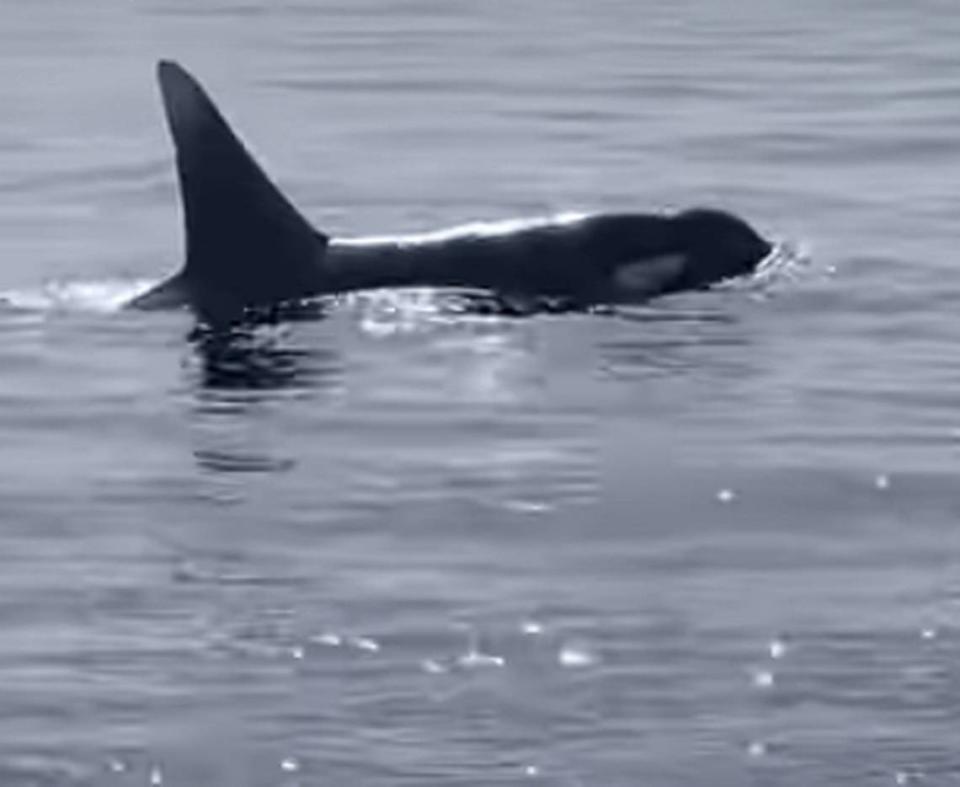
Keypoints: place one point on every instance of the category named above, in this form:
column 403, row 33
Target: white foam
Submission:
column 105, row 295
column 785, row 261
column 576, row 655
column 475, row 659
column 726, row 495
column 777, row 648
column 531, row 627
column 364, row 643
column 328, row 638
column 433, row 667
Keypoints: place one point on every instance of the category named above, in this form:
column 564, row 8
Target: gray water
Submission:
column 712, row 541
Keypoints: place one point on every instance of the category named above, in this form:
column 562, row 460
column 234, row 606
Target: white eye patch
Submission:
column 650, row 275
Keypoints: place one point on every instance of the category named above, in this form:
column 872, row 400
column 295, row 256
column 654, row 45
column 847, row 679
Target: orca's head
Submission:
column 717, row 246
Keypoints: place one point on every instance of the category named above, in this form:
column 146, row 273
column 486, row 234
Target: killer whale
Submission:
column 248, row 247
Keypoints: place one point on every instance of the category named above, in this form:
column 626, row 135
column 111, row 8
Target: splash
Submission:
column 785, row 264
column 389, row 313
column 106, row 295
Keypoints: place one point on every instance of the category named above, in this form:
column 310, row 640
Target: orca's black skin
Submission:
column 248, row 247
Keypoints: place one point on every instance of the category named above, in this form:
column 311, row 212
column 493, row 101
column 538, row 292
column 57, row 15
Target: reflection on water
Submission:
column 236, row 462
column 259, row 359
column 674, row 338
column 235, row 375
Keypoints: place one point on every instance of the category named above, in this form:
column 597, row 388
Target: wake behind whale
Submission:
column 248, row 248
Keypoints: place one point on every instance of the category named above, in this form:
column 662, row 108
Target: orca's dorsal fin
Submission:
column 246, row 243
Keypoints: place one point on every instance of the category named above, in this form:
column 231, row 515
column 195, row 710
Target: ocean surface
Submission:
column 710, row 541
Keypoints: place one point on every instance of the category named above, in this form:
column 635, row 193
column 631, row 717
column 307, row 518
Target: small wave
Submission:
column 787, row 263
column 786, row 258
column 384, row 311
column 106, row 295
column 387, row 313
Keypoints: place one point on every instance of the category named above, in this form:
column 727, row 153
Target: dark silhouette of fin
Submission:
column 247, row 245
column 170, row 294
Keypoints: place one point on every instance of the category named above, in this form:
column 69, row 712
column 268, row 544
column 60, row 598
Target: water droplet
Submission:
column 531, row 627
column 290, row 764
column 777, row 648
column 156, row 776
column 531, row 770
column 929, row 633
column 297, row 652
column 330, row 639
column 882, row 482
column 475, row 658
column 116, row 765
column 576, row 656
column 907, row 777
column 527, row 506
column 757, row 749
column 365, row 643
column 433, row 667
column 763, row 679
column 726, row 495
